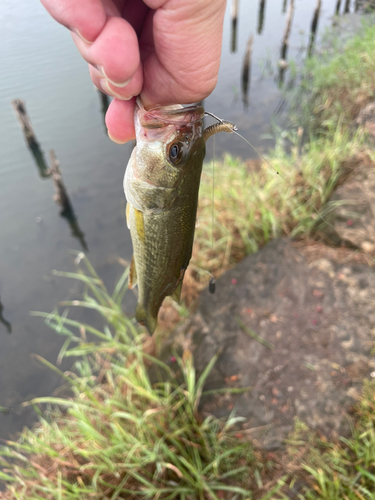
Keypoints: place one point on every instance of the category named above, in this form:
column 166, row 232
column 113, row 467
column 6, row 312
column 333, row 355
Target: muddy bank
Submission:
column 296, row 325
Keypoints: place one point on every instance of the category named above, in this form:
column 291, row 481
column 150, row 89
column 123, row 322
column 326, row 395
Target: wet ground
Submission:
column 41, row 66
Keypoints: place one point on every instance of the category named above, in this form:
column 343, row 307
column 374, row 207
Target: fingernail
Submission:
column 115, row 84
column 74, row 30
column 104, row 85
column 117, row 141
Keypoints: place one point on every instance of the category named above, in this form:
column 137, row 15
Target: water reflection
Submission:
column 285, row 42
column 62, row 198
column 61, row 195
column 285, row 4
column 347, row 7
column 6, row 323
column 338, row 4
column 246, row 72
column 29, row 134
column 314, row 26
column 234, row 16
column 262, row 4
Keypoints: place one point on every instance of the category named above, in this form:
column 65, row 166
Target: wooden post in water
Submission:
column 6, row 323
column 338, row 4
column 29, row 134
column 285, row 41
column 314, row 26
column 61, row 195
column 61, row 198
column 347, row 7
column 234, row 16
column 24, row 121
column 262, row 4
column 246, row 71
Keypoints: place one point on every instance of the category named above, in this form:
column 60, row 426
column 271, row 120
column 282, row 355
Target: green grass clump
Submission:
column 345, row 469
column 337, row 82
column 120, row 434
column 253, row 203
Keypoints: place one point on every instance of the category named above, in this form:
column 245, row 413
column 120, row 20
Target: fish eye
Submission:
column 175, row 153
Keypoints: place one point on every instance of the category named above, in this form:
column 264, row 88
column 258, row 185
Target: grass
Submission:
column 344, row 470
column 253, row 204
column 336, row 83
column 121, row 434
column 131, row 428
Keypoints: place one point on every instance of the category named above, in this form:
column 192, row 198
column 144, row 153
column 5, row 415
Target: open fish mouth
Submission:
column 162, row 116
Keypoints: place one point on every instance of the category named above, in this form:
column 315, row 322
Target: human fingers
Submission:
column 187, row 40
column 124, row 93
column 103, row 38
column 87, row 18
column 120, row 121
column 115, row 52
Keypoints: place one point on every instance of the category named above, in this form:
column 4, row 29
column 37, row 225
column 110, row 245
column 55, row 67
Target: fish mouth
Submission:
column 162, row 116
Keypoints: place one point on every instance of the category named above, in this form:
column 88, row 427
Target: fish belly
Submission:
column 162, row 250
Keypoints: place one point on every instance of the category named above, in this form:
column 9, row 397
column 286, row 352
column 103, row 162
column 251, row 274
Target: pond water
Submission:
column 41, row 66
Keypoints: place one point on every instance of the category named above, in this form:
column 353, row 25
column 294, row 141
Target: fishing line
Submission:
column 212, row 282
column 233, row 129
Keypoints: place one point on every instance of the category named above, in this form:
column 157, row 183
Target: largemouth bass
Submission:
column 161, row 187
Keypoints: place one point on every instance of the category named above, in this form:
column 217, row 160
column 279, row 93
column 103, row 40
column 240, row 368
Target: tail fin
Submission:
column 145, row 318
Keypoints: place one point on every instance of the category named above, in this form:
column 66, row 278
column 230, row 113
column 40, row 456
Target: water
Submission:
column 41, row 65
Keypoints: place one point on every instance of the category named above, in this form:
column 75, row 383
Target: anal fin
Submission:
column 176, row 294
column 132, row 274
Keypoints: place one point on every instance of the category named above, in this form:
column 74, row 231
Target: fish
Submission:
column 161, row 187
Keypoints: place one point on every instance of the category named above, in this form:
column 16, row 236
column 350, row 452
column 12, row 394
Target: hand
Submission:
column 168, row 51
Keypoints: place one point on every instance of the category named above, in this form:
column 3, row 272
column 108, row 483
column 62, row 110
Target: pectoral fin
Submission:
column 176, row 294
column 132, row 274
